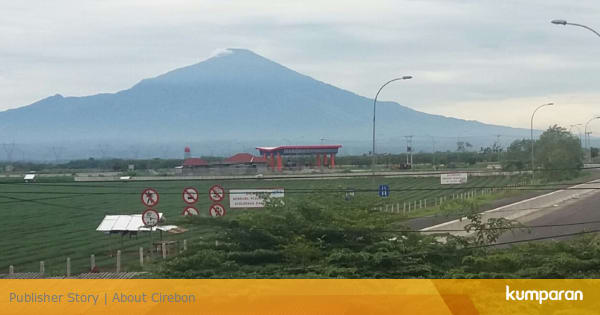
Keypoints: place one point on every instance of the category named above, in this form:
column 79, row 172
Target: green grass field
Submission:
column 51, row 221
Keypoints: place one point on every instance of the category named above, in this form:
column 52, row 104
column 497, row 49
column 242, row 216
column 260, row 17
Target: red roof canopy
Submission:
column 194, row 162
column 301, row 147
column 245, row 158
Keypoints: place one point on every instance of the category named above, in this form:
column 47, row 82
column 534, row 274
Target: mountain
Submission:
column 237, row 100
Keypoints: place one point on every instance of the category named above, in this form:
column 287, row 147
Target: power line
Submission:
column 460, row 212
column 535, row 239
column 355, row 176
column 41, row 199
column 523, row 227
column 315, row 190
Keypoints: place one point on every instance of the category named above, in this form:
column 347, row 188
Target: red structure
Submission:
column 325, row 154
column 187, row 153
column 191, row 162
column 245, row 158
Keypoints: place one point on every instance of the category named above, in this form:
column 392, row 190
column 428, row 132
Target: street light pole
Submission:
column 406, row 77
column 587, row 136
column 563, row 22
column 532, row 157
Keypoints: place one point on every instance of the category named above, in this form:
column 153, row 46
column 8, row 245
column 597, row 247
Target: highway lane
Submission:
column 585, row 209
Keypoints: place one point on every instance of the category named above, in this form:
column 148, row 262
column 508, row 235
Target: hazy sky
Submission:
column 492, row 61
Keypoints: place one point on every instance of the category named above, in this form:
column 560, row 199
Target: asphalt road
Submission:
column 420, row 223
column 581, row 210
column 578, row 206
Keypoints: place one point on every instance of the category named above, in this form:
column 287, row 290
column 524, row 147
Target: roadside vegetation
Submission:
column 307, row 240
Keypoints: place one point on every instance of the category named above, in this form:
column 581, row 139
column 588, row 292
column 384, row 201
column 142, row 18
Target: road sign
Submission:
column 216, row 210
column 190, row 195
column 384, row 190
column 150, row 217
column 453, row 178
column 150, row 197
column 216, row 193
column 189, row 210
column 253, row 198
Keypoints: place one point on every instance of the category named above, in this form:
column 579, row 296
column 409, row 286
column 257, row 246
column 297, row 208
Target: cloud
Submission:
column 220, row 52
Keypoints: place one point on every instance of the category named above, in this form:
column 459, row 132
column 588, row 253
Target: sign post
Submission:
column 216, row 210
column 453, row 178
column 253, row 198
column 216, row 193
column 150, row 217
column 190, row 211
column 384, row 191
column 190, row 195
column 150, row 197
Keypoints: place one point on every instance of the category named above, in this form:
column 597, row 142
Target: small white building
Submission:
column 29, row 178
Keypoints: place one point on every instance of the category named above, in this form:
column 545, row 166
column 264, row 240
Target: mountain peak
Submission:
column 222, row 52
column 230, row 64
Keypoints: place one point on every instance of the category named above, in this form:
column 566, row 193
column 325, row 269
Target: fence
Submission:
column 120, row 261
column 406, row 207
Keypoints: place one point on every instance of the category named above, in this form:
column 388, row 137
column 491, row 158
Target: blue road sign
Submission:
column 384, row 191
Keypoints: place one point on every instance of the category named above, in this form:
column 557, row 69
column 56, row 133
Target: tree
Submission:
column 489, row 232
column 518, row 154
column 559, row 154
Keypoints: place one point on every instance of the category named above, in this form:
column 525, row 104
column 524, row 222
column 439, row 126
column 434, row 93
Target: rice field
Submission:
column 53, row 220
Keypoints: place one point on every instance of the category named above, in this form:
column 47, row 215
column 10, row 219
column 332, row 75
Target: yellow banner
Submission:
column 299, row 296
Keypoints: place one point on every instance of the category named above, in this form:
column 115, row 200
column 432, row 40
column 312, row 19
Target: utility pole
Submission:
column 432, row 152
column 409, row 150
column 497, row 145
column 9, row 148
column 587, row 136
column 57, row 152
column 588, row 145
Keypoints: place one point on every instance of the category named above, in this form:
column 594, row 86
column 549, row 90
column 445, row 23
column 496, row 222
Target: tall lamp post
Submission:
column 587, row 136
column 532, row 157
column 563, row 22
column 406, row 77
column 433, row 152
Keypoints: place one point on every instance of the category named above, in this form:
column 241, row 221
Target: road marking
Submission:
column 506, row 206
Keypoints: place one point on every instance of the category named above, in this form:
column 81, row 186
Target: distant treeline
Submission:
column 446, row 158
column 100, row 164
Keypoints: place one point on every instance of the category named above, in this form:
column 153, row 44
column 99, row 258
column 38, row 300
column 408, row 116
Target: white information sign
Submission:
column 252, row 198
column 453, row 178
